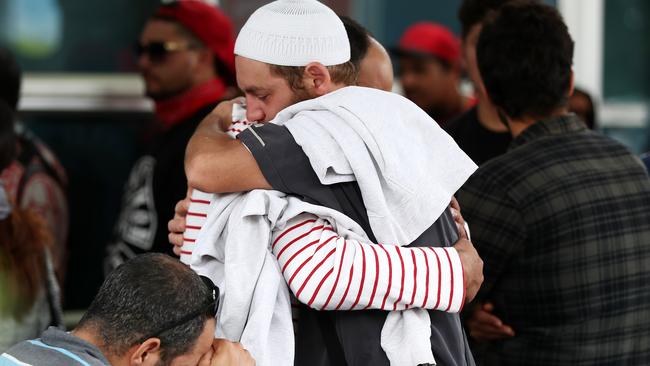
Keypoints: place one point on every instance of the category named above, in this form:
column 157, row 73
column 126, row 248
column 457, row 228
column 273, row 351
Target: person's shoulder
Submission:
column 645, row 158
column 498, row 175
column 461, row 122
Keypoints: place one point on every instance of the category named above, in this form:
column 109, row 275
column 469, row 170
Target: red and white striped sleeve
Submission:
column 197, row 213
column 327, row 272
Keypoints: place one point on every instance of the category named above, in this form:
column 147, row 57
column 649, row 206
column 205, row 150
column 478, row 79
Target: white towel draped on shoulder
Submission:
column 407, row 167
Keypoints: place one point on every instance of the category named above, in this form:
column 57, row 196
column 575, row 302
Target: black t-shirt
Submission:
column 325, row 336
column 156, row 182
column 479, row 143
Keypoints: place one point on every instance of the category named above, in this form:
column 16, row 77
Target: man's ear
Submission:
column 317, row 79
column 145, row 354
column 572, row 84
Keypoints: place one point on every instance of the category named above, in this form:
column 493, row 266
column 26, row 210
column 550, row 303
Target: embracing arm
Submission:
column 327, row 272
column 216, row 163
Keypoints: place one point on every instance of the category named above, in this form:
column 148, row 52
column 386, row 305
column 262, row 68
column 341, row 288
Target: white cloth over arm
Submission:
column 232, row 249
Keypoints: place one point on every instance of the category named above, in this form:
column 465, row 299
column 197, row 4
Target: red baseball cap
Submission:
column 428, row 38
column 208, row 23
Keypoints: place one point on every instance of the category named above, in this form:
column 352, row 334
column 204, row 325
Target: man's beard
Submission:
column 167, row 93
column 300, row 95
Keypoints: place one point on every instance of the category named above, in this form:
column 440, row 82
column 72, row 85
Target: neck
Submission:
column 488, row 116
column 180, row 107
column 90, row 336
column 519, row 125
column 336, row 87
column 451, row 108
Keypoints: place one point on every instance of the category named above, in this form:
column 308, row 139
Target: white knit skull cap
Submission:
column 294, row 33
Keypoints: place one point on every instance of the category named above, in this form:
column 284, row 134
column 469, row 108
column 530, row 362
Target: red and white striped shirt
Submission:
column 328, row 272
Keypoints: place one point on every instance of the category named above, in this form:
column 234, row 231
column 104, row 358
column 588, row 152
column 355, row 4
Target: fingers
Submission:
column 177, row 250
column 484, row 325
column 458, row 218
column 472, row 267
column 176, row 226
column 230, row 353
column 182, row 207
column 462, row 233
column 206, row 358
column 176, row 240
column 222, row 114
column 454, row 204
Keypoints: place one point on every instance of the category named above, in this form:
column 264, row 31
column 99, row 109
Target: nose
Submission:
column 407, row 79
column 254, row 111
column 143, row 61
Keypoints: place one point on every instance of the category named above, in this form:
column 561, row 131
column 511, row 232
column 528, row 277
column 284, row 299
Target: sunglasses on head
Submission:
column 212, row 304
column 157, row 51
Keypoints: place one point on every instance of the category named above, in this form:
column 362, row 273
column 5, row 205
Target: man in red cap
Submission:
column 430, row 70
column 185, row 55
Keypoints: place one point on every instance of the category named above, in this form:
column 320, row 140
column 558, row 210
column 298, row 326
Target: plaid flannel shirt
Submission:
column 562, row 222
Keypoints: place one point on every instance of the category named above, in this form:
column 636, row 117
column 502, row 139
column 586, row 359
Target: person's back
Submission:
column 645, row 158
column 581, row 274
column 562, row 220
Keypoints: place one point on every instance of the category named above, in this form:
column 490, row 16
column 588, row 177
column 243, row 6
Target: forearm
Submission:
column 328, row 272
column 217, row 163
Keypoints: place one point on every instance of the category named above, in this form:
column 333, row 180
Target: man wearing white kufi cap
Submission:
column 372, row 155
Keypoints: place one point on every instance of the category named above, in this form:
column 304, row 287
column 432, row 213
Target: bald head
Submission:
column 376, row 69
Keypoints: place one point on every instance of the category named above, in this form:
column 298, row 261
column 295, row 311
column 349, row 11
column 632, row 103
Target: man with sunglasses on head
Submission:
column 185, row 55
column 152, row 310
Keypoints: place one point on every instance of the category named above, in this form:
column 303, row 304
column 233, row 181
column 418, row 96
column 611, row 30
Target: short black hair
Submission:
column 7, row 135
column 10, row 75
column 359, row 40
column 473, row 12
column 524, row 55
column 143, row 295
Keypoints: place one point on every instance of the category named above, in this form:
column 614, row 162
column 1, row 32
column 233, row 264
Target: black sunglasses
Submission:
column 157, row 51
column 213, row 303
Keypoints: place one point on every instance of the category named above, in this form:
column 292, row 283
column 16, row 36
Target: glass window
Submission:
column 72, row 35
column 627, row 50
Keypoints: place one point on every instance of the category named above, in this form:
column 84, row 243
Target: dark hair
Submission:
column 7, row 135
column 524, row 56
column 24, row 235
column 359, row 40
column 473, row 12
column 218, row 65
column 10, row 74
column 141, row 296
